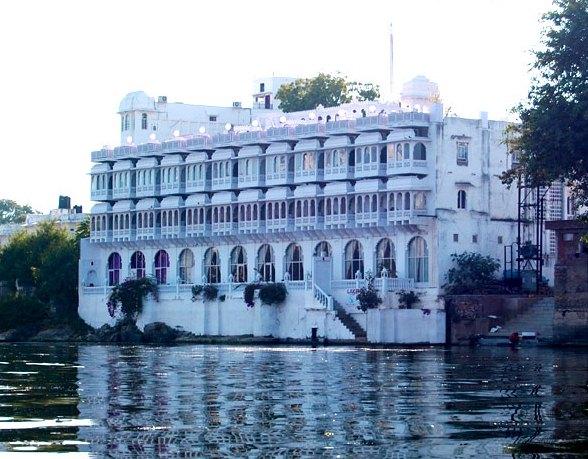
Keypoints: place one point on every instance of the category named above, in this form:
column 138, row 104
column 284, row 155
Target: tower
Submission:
column 391, row 64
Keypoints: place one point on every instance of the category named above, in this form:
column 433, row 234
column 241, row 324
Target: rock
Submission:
column 122, row 332
column 22, row 333
column 54, row 334
column 159, row 333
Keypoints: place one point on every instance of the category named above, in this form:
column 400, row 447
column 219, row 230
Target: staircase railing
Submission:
column 320, row 295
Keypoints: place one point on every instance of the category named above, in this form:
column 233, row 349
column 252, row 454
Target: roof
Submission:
column 137, row 100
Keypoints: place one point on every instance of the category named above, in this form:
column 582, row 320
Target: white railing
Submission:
column 362, row 169
column 406, row 164
column 281, row 177
column 308, row 222
column 119, row 193
column 197, row 185
column 251, row 179
column 98, row 195
column 199, row 229
column 223, row 227
column 278, row 224
column 322, row 297
column 174, row 187
column 338, row 171
column 337, row 219
column 146, row 190
column 224, row 182
column 314, row 174
column 393, row 284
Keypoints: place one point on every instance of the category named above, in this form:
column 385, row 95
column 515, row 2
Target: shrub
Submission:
column 249, row 294
column 18, row 310
column 406, row 299
column 273, row 293
column 368, row 296
column 472, row 273
column 129, row 296
column 210, row 292
column 196, row 291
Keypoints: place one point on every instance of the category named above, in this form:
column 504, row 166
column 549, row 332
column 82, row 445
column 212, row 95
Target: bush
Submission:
column 196, row 291
column 210, row 292
column 129, row 296
column 406, row 299
column 368, row 296
column 249, row 294
column 273, row 293
column 472, row 273
column 17, row 310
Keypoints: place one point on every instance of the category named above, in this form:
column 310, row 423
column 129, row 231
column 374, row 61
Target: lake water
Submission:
column 227, row 401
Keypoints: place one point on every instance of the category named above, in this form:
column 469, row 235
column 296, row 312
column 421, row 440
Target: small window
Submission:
column 261, row 87
column 212, row 118
column 462, row 153
column 475, row 238
column 500, row 239
column 461, row 199
column 144, row 121
column 568, row 237
column 456, row 238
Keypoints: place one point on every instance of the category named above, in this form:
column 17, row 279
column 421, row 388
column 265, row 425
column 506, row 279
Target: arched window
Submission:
column 323, row 249
column 186, row 266
column 161, row 266
column 385, row 258
column 144, row 121
column 420, row 152
column 418, row 260
column 127, row 122
column 212, row 267
column 461, row 199
column 399, row 152
column 420, row 201
column 353, row 259
column 406, row 151
column 138, row 265
column 239, row 264
column 265, row 263
column 294, row 264
column 114, row 267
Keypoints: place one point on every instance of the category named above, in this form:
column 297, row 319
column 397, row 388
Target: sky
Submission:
column 65, row 65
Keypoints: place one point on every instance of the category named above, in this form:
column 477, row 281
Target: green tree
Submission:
column 471, row 273
column 45, row 260
column 324, row 89
column 551, row 140
column 368, row 296
column 11, row 212
column 83, row 229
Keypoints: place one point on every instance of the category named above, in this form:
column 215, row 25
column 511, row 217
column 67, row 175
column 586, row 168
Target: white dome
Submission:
column 137, row 100
column 420, row 87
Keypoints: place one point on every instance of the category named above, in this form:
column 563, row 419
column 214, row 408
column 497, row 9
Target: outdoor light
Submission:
column 372, row 109
column 129, row 140
column 176, row 133
column 202, row 129
column 341, row 112
column 228, row 126
column 152, row 136
column 282, row 119
column 311, row 115
column 255, row 123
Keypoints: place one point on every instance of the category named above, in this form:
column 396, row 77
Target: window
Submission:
column 353, row 259
column 420, row 201
column 212, row 266
column 475, row 238
column 161, row 266
column 308, row 162
column 461, row 199
column 114, row 267
column 420, row 152
column 144, row 121
column 500, row 239
column 418, row 260
column 455, row 237
column 138, row 265
column 385, row 258
column 462, row 153
column 265, row 263
column 127, row 120
column 261, row 87
column 239, row 264
column 294, row 264
column 186, row 267
column 212, row 118
column 323, row 249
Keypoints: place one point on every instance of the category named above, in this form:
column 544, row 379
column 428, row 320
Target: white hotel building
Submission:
column 316, row 200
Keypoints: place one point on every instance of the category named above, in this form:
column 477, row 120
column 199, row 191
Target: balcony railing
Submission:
column 311, row 130
column 142, row 191
column 100, row 235
column 104, row 154
column 123, row 193
column 370, row 169
column 147, row 233
column 394, row 284
column 171, row 231
column 221, row 228
column 340, row 126
column 314, row 222
column 396, row 215
column 193, row 186
column 371, row 218
column 198, row 229
column 338, row 219
column 251, row 180
column 338, row 172
column 278, row 178
column 252, row 137
column 149, row 149
column 172, row 188
column 101, row 195
column 407, row 166
column 123, row 234
column 412, row 117
column 223, row 183
column 372, row 122
column 279, row 224
column 311, row 175
column 252, row 226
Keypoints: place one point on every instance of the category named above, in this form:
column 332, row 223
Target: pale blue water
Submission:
column 224, row 401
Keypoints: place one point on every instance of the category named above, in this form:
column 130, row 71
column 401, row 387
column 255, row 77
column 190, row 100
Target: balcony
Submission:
column 197, row 229
column 372, row 123
column 276, row 225
column 306, row 223
column 279, row 178
column 169, row 232
column 253, row 137
column 252, row 226
column 338, row 220
column 101, row 195
column 125, row 152
column 408, row 167
column 281, row 133
column 149, row 149
column 123, row 193
column 222, row 228
column 174, row 146
column 247, row 181
column 123, row 234
column 311, row 130
column 147, row 233
column 223, row 183
column 376, row 169
column 372, row 218
column 406, row 215
column 408, row 119
column 306, row 176
column 340, row 127
column 172, row 188
column 101, row 236
column 338, row 173
column 105, row 154
column 143, row 191
column 198, row 185
column 199, row 142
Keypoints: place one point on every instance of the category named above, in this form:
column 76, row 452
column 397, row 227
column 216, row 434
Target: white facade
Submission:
column 316, row 200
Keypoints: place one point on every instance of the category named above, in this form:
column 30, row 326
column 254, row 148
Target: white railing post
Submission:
column 230, row 292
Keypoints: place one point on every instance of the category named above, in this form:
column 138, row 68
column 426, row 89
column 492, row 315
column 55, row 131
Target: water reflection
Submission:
column 285, row 401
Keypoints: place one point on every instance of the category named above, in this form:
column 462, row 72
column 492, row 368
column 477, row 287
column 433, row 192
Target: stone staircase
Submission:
column 350, row 323
column 538, row 318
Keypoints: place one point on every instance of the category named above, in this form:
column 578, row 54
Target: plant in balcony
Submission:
column 273, row 293
column 407, row 299
column 130, row 295
column 210, row 292
column 249, row 294
column 196, row 291
column 367, row 296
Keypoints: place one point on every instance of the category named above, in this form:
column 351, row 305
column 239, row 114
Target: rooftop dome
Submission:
column 420, row 87
column 137, row 100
